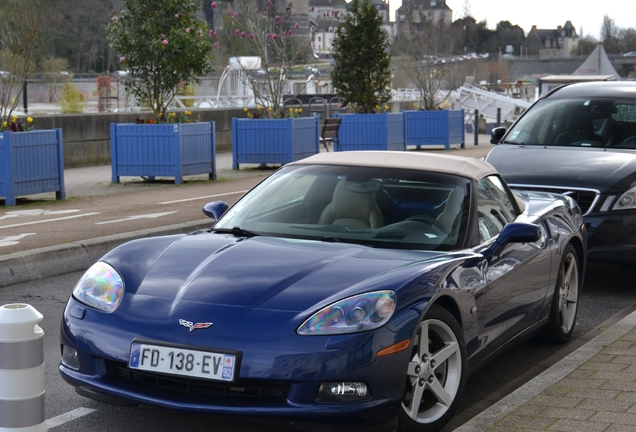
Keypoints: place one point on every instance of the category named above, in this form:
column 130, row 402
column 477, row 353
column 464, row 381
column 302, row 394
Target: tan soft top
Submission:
column 424, row 161
column 466, row 167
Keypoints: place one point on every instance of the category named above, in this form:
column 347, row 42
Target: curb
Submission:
column 489, row 417
column 77, row 256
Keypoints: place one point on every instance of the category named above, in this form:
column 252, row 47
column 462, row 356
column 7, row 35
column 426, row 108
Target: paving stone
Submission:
column 613, row 376
column 571, row 413
column 578, row 426
column 604, row 366
column 558, row 402
column 618, row 385
column 605, row 405
column 615, row 418
column 624, row 359
column 541, row 423
column 596, row 394
column 582, row 383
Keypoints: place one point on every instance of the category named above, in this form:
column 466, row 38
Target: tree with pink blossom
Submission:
column 163, row 45
column 266, row 33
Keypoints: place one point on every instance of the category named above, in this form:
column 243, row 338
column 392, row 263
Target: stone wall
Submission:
column 87, row 136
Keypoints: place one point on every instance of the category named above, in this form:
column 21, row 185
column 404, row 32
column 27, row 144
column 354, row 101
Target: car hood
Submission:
column 272, row 273
column 590, row 168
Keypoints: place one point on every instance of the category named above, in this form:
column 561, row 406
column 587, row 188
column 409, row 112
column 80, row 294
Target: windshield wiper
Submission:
column 237, row 231
column 330, row 239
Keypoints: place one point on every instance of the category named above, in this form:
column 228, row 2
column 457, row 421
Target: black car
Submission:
column 580, row 140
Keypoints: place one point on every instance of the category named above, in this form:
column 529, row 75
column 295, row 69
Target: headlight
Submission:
column 354, row 314
column 101, row 287
column 627, row 201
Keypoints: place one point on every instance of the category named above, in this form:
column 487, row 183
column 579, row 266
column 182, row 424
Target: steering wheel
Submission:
column 428, row 220
column 630, row 139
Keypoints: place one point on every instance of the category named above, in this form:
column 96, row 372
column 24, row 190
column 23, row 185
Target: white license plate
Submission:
column 179, row 361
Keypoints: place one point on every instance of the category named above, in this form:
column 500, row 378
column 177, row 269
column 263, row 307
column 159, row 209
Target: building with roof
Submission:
column 561, row 42
column 323, row 21
column 413, row 13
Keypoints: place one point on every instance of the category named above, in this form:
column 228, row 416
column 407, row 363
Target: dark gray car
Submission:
column 580, row 140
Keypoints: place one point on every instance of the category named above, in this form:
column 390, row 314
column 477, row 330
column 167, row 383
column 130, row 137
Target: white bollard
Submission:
column 21, row 369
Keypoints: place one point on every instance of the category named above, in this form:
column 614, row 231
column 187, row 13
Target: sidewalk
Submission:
column 592, row 389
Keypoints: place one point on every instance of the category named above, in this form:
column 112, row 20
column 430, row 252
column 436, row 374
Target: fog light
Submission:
column 342, row 392
column 70, row 358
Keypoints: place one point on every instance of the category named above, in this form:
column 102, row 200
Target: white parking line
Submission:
column 203, row 197
column 146, row 216
column 13, row 240
column 67, row 417
column 47, row 220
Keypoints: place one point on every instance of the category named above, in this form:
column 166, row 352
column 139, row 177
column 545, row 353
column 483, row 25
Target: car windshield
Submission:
column 378, row 207
column 582, row 122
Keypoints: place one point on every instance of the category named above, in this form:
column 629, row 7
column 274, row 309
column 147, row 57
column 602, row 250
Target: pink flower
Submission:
column 235, row 14
column 290, row 32
column 296, row 26
column 211, row 33
column 176, row 16
column 277, row 18
column 165, row 42
column 242, row 35
column 229, row 12
column 251, row 36
column 274, row 36
column 216, row 44
column 114, row 18
column 213, row 5
column 122, row 59
column 312, row 8
column 237, row 32
column 269, row 2
column 188, row 30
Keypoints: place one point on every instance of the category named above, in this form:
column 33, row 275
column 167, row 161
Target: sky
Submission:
column 547, row 14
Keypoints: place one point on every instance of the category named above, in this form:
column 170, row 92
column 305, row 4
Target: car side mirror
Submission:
column 515, row 232
column 497, row 134
column 214, row 210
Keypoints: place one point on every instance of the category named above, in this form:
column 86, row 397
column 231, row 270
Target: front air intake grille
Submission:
column 242, row 388
column 585, row 198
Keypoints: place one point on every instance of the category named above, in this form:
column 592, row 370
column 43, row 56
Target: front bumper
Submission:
column 276, row 382
column 612, row 236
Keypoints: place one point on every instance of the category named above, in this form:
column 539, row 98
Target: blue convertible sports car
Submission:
column 353, row 289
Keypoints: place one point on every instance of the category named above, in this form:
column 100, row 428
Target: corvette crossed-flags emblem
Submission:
column 192, row 326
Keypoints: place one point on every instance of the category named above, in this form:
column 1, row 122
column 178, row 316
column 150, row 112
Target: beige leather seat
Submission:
column 352, row 209
column 451, row 215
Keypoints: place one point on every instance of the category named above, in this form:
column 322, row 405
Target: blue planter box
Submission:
column 31, row 163
column 384, row 131
column 444, row 127
column 273, row 141
column 163, row 150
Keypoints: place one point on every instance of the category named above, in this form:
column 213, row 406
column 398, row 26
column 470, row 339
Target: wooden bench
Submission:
column 329, row 132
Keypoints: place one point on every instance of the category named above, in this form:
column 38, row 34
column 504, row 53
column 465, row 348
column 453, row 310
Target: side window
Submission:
column 494, row 207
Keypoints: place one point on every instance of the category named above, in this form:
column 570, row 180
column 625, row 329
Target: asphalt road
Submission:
column 608, row 295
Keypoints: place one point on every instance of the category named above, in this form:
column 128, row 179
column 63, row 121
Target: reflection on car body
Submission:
column 351, row 289
column 580, row 140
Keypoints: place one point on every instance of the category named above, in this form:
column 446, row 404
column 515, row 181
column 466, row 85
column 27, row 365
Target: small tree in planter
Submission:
column 163, row 45
column 361, row 74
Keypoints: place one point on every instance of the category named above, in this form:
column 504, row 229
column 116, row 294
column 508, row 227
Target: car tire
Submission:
column 565, row 300
column 436, row 374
